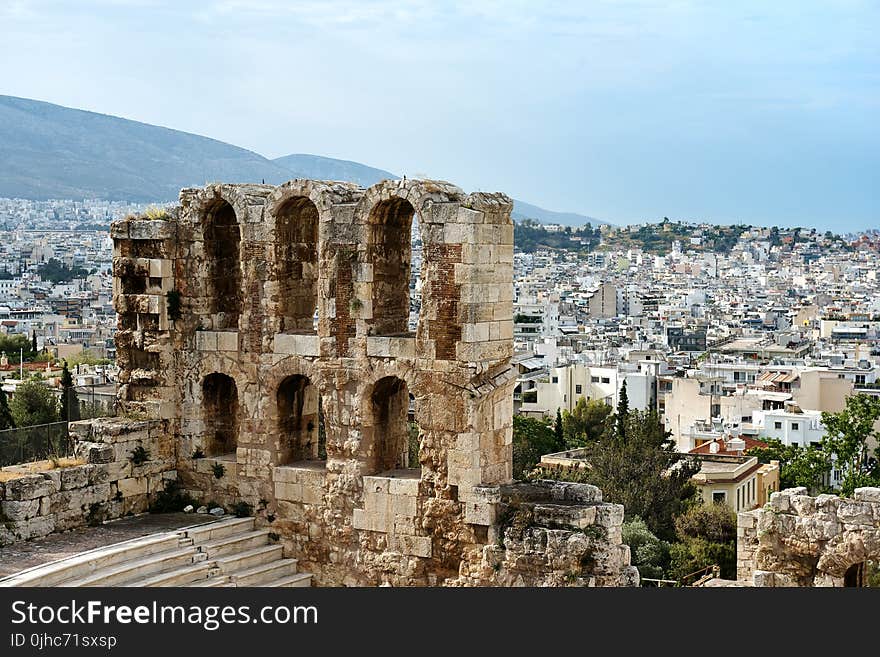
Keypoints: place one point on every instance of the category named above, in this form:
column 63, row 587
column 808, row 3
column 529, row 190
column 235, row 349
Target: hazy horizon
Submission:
column 624, row 111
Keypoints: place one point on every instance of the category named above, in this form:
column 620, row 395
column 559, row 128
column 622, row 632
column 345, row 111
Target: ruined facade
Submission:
column 799, row 540
column 267, row 327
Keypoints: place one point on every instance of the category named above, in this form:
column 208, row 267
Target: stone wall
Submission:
column 249, row 382
column 548, row 533
column 102, row 484
column 799, row 540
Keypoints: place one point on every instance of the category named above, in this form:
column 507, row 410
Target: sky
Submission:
column 749, row 111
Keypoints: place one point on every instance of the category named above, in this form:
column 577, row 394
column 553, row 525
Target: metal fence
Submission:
column 35, row 443
column 87, row 402
column 52, row 440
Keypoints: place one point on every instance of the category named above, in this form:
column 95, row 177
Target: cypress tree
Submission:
column 622, row 412
column 69, row 399
column 557, row 429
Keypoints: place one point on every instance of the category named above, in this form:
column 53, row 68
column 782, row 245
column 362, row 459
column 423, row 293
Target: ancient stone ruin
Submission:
column 267, row 329
column 799, row 540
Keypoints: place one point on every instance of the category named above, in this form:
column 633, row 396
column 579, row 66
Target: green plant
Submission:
column 274, row 537
column 219, row 470
column 198, row 453
column 118, row 496
column 243, row 510
column 140, row 455
column 171, row 499
column 154, row 213
column 174, row 304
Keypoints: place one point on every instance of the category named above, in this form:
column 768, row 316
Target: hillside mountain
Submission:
column 49, row 151
column 328, row 168
column 523, row 210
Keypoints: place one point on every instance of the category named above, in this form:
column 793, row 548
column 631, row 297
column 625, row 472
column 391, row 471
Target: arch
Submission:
column 300, row 421
column 296, row 262
column 394, row 426
column 389, row 238
column 220, row 414
column 222, row 240
column 855, row 575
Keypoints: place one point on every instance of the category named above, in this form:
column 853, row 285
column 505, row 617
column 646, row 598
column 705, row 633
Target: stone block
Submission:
column 379, row 347
column 17, row 511
column 132, row 486
column 404, row 505
column 34, row 528
column 206, row 341
column 287, row 474
column 376, row 484
column 855, row 513
column 227, row 341
column 30, row 487
column 480, row 513
column 76, row 477
column 288, row 491
column 360, row 520
column 416, row 546
column 407, row 487
column 312, row 495
column 780, row 502
column 98, row 453
column 868, row 494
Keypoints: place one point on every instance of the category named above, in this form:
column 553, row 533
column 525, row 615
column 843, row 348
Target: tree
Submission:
column 6, row 421
column 706, row 536
column 34, row 342
column 798, row 466
column 643, row 471
column 847, row 434
column 16, row 346
column 586, row 423
column 33, row 403
column 622, row 412
column 532, row 438
column 647, row 552
column 558, row 431
column 69, row 398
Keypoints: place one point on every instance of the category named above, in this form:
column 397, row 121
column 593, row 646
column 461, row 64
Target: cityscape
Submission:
column 607, row 318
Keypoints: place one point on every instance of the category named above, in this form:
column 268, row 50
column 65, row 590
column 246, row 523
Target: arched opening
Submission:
column 395, row 430
column 220, row 407
column 855, row 575
column 222, row 237
column 390, row 253
column 300, row 421
column 296, row 257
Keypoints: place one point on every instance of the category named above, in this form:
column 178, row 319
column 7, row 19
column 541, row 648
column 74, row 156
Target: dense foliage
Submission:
column 586, row 423
column 845, row 447
column 56, row 271
column 532, row 438
column 33, row 403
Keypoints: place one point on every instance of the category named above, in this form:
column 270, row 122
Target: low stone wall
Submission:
column 102, row 483
column 549, row 534
column 799, row 540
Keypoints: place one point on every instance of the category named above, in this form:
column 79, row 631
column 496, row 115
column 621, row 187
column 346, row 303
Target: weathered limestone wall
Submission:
column 247, row 381
column 548, row 534
column 104, row 485
column 798, row 540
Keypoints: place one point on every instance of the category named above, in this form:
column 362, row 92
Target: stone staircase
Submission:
column 228, row 552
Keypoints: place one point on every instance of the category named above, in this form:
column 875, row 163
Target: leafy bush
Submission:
column 219, row 470
column 171, row 499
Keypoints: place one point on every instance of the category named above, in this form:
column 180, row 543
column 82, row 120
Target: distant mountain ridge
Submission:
column 50, row 151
